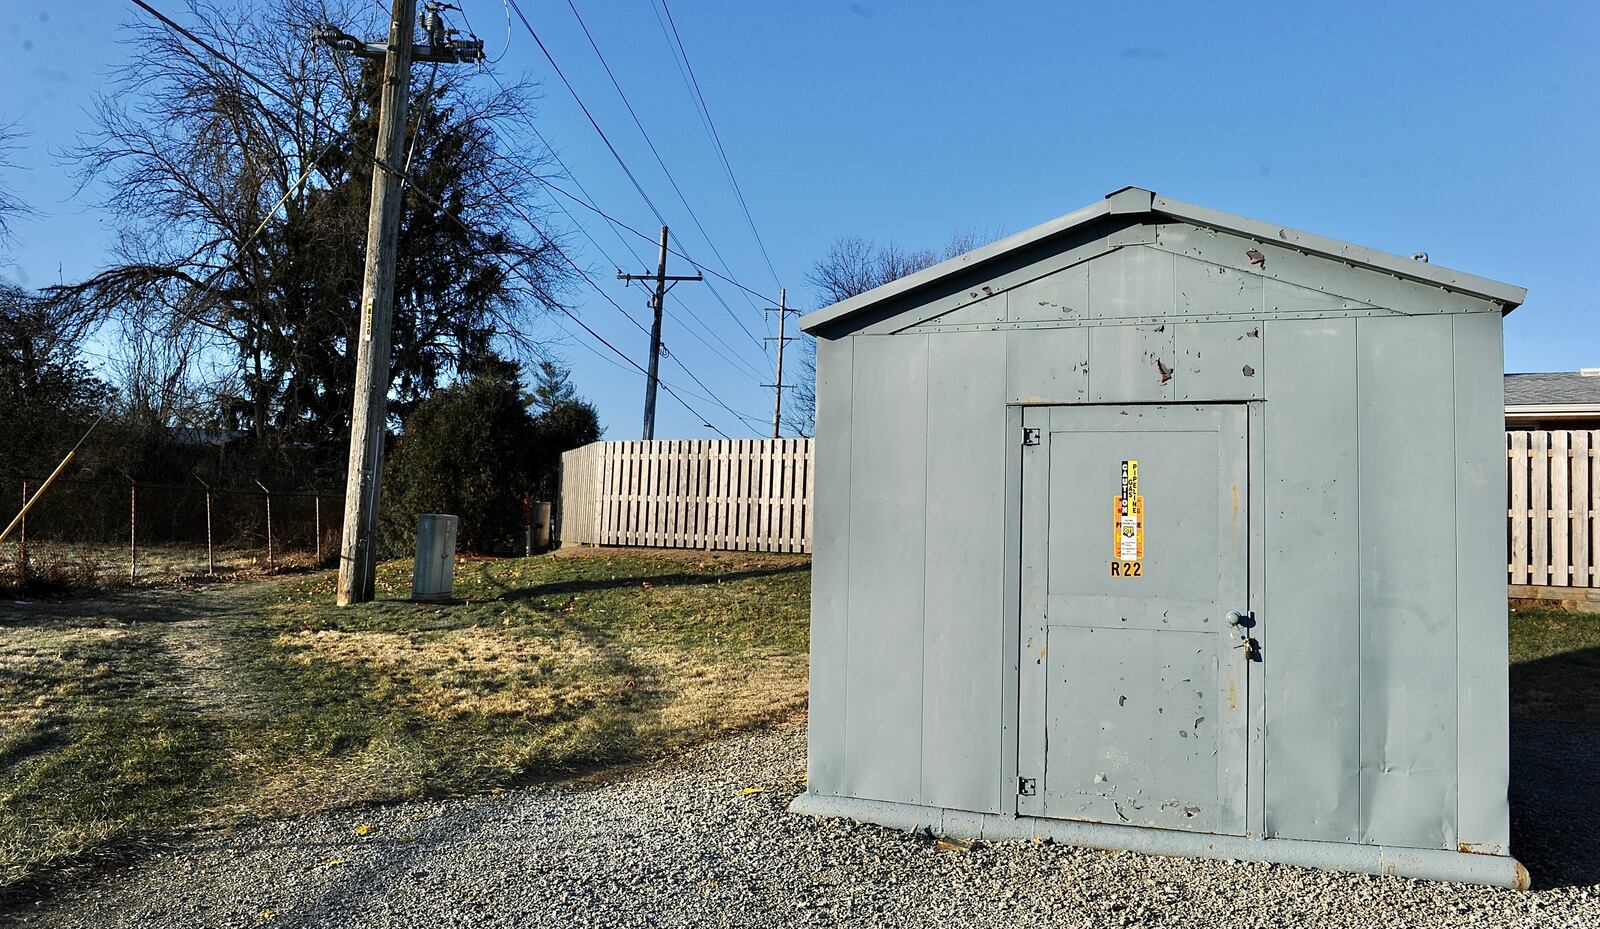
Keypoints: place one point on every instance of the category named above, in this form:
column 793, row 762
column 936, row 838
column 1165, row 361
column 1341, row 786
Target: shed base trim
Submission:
column 1421, row 863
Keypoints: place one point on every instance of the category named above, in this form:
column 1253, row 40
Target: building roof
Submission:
column 1135, row 201
column 1546, row 388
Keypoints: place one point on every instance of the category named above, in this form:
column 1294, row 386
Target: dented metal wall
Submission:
column 1377, row 714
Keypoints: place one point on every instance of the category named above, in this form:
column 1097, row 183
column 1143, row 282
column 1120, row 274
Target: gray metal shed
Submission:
column 1159, row 528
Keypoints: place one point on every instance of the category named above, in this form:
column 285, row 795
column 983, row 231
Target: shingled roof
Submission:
column 1553, row 387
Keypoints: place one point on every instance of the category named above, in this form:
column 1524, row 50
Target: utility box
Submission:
column 433, row 575
column 1160, row 528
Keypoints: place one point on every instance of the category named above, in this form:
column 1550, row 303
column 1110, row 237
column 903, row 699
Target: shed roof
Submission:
column 1136, row 201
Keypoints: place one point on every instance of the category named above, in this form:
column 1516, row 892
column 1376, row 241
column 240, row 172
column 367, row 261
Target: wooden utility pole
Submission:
column 783, row 311
column 369, row 413
column 657, row 300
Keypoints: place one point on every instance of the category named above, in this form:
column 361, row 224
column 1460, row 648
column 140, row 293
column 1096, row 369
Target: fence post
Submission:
column 22, row 546
column 133, row 531
column 316, row 523
column 211, row 554
column 264, row 489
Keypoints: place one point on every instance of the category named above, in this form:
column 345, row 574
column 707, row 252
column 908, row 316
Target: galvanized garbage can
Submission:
column 433, row 576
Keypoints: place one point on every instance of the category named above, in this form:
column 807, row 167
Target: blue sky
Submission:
column 1467, row 130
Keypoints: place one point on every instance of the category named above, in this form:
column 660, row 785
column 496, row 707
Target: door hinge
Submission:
column 1027, row 786
column 1030, row 437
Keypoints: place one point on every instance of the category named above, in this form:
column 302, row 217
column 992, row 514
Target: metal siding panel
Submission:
column 1062, row 295
column 1406, row 474
column 888, row 478
column 1219, row 361
column 1483, row 750
column 1047, row 366
column 1301, row 275
column 1133, row 281
column 1312, row 675
column 1131, row 364
column 830, row 568
column 990, row 308
column 1032, row 585
column 1011, row 611
column 961, row 719
column 1202, row 288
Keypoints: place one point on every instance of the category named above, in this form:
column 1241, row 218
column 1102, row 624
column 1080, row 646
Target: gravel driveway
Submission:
column 693, row 843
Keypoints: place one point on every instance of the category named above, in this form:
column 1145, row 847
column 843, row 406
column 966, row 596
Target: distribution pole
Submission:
column 369, row 413
column 783, row 311
column 657, row 300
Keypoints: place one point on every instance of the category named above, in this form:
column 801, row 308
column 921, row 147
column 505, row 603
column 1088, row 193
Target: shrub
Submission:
column 466, row 450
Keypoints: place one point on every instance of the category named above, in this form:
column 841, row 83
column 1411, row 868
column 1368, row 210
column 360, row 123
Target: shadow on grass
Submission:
column 1555, row 768
column 131, row 605
column 590, row 585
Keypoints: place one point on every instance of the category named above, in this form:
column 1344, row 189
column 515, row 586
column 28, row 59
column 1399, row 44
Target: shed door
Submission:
column 1133, row 683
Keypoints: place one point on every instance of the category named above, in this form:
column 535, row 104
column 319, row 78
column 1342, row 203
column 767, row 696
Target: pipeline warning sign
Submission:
column 1127, row 547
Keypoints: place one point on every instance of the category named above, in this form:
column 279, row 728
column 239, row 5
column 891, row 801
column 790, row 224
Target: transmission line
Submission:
column 639, row 124
column 690, row 315
column 517, row 9
column 716, row 138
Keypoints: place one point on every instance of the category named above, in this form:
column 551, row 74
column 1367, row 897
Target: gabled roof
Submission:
column 1136, row 201
column 1552, row 388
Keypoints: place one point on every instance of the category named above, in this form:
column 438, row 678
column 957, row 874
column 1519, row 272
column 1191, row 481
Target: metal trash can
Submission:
column 434, row 573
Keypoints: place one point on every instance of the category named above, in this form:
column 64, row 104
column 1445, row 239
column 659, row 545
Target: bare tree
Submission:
column 242, row 216
column 12, row 206
column 852, row 266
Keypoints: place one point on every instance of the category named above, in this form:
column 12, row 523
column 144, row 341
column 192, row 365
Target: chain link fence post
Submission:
column 269, row 525
column 22, row 546
column 133, row 529
column 211, row 551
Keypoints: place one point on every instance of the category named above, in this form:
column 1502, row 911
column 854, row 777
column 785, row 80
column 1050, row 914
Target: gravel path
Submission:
column 691, row 844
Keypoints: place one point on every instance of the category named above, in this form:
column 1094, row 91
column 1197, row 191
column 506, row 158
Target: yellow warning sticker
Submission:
column 1127, row 546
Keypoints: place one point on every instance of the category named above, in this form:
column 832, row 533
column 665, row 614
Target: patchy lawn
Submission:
column 137, row 714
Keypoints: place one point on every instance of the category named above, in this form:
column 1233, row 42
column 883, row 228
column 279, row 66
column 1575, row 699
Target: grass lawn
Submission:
column 1555, row 666
column 128, row 717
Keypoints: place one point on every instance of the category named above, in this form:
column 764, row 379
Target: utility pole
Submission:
column 664, row 283
column 369, row 413
column 783, row 311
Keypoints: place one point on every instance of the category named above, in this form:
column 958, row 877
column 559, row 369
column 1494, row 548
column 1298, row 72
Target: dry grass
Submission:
column 137, row 714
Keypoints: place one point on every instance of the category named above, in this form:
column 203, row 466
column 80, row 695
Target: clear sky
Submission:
column 1464, row 129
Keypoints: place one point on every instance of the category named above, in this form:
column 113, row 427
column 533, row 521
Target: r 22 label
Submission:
column 1127, row 569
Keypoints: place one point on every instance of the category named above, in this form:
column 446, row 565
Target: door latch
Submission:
column 1030, row 437
column 1027, row 786
column 1244, row 621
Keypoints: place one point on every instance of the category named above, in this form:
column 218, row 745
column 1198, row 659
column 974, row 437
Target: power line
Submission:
column 690, row 315
column 517, row 8
column 643, row 235
column 716, row 137
column 648, row 141
column 510, row 266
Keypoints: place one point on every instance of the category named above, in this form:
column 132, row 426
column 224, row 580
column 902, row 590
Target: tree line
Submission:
column 224, row 324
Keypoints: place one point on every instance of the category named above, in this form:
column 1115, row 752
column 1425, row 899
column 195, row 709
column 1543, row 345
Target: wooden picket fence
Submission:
column 755, row 495
column 744, row 494
column 1554, row 507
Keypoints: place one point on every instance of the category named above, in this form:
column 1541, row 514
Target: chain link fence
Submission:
column 85, row 534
